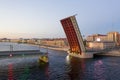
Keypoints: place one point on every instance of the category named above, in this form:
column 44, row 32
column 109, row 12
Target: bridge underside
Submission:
column 74, row 37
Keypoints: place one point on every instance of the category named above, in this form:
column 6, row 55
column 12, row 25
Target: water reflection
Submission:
column 45, row 68
column 86, row 69
column 47, row 72
column 77, row 68
column 10, row 72
column 28, row 67
column 99, row 70
column 68, row 59
column 23, row 68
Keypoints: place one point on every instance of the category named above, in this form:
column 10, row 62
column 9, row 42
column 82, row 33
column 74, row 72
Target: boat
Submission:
column 43, row 58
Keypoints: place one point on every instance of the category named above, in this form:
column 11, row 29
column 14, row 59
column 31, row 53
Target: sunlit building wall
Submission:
column 114, row 36
column 14, row 40
column 90, row 38
column 95, row 37
column 54, row 42
column 101, row 45
column 119, row 40
column 111, row 36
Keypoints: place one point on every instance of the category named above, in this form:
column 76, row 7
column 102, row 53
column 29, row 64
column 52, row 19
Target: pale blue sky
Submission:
column 40, row 18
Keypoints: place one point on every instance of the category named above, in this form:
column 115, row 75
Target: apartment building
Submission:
column 101, row 45
column 111, row 36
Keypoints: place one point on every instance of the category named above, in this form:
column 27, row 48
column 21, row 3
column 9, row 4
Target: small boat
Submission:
column 44, row 58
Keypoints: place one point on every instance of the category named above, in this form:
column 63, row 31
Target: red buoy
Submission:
column 10, row 55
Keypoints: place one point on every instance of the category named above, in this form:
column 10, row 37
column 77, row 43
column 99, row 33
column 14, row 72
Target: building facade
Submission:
column 62, row 42
column 114, row 36
column 97, row 37
column 111, row 36
column 101, row 45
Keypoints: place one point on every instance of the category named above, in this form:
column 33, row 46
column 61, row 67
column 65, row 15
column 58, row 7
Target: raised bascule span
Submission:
column 73, row 34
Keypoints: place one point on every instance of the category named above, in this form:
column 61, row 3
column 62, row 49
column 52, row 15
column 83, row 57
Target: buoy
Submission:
column 10, row 55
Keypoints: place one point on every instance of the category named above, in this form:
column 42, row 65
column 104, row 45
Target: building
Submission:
column 59, row 42
column 114, row 36
column 14, row 40
column 101, row 45
column 119, row 40
column 97, row 37
column 111, row 36
column 5, row 40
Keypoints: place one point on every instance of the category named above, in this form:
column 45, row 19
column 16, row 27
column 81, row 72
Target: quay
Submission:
column 113, row 53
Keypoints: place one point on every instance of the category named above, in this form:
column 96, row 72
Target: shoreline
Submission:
column 56, row 48
column 114, row 53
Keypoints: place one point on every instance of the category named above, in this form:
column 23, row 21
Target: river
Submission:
column 60, row 67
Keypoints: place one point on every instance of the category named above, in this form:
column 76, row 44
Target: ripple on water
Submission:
column 18, row 62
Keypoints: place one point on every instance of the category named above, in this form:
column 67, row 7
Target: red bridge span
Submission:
column 74, row 37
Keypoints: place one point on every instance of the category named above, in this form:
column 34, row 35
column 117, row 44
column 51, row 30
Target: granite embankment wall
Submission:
column 56, row 48
column 111, row 53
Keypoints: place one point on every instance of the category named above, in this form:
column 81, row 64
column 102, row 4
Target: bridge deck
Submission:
column 25, row 52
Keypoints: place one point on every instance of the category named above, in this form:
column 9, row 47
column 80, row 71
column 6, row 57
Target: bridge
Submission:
column 75, row 40
column 14, row 49
column 74, row 37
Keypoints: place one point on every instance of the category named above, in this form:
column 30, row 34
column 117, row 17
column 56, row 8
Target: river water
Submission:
column 60, row 67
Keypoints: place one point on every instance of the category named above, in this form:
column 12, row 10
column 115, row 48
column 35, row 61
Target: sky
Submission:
column 41, row 18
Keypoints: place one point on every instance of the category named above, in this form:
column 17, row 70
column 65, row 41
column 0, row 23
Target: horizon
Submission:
column 41, row 19
column 21, row 36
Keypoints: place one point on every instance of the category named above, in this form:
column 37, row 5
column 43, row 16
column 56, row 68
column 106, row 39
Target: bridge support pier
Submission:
column 83, row 55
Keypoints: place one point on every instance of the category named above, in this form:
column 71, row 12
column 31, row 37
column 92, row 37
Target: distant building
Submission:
column 96, row 45
column 119, row 40
column 5, row 40
column 32, row 41
column 114, row 36
column 14, row 40
column 111, row 36
column 97, row 37
column 58, row 42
